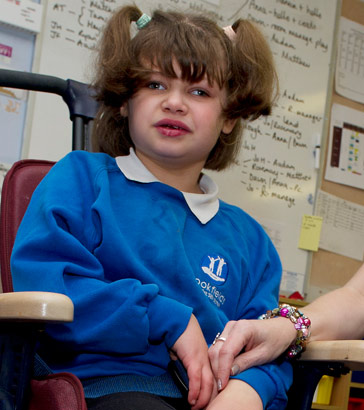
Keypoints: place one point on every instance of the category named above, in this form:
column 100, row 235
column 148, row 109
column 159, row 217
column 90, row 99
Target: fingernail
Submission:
column 219, row 384
column 235, row 370
column 193, row 402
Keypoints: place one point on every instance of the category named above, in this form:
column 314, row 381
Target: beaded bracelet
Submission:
column 301, row 323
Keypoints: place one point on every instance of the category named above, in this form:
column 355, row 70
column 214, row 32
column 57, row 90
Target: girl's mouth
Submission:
column 173, row 124
column 172, row 128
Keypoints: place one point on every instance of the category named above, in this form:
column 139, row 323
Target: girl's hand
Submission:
column 191, row 349
column 237, row 395
column 249, row 343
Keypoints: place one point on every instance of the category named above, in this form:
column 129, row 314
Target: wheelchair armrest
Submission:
column 349, row 353
column 23, row 315
column 35, row 307
column 332, row 357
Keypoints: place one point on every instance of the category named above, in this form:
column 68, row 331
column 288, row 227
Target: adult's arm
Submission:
column 338, row 314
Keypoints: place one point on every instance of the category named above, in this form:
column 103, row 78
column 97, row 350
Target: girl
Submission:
column 155, row 264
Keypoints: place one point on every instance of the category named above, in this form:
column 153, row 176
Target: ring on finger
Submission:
column 219, row 338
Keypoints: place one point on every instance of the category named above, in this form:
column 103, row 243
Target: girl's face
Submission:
column 176, row 123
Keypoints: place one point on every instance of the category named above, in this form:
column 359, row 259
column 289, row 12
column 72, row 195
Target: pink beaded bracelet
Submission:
column 301, row 323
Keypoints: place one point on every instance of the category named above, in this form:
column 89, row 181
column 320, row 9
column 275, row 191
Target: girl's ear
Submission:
column 229, row 124
column 124, row 110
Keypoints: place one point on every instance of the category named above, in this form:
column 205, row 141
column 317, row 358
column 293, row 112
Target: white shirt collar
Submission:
column 204, row 206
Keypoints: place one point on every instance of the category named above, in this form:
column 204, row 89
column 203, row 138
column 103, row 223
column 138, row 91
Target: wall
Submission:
column 330, row 270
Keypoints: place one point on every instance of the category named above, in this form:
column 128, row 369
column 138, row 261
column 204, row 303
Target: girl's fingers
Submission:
column 201, row 388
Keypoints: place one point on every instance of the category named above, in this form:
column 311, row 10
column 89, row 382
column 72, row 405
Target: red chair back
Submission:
column 62, row 391
column 18, row 186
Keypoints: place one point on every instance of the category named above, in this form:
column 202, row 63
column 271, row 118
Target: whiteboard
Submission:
column 16, row 53
column 275, row 180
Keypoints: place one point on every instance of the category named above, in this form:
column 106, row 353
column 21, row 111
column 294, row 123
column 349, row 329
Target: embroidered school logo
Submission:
column 216, row 267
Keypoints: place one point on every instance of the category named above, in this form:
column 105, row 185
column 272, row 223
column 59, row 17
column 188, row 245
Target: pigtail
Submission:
column 114, row 49
column 112, row 64
column 252, row 88
column 253, row 83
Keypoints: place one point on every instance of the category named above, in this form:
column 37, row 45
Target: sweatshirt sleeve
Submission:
column 55, row 251
column 272, row 380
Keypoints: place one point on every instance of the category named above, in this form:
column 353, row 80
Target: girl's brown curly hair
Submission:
column 243, row 66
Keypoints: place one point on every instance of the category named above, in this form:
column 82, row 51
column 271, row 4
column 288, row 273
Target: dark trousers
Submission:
column 136, row 401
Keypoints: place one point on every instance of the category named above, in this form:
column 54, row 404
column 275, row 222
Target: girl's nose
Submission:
column 174, row 102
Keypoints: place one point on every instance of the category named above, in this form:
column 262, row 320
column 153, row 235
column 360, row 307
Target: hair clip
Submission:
column 143, row 21
column 229, row 31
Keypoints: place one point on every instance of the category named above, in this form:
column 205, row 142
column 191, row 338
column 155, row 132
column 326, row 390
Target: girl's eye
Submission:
column 155, row 85
column 200, row 93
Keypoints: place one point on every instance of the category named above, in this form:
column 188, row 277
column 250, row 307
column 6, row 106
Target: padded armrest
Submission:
column 348, row 352
column 35, row 306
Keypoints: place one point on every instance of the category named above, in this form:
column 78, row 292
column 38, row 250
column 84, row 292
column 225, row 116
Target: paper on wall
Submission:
column 349, row 79
column 345, row 162
column 342, row 229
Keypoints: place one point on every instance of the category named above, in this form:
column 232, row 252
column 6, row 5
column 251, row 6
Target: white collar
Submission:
column 204, row 206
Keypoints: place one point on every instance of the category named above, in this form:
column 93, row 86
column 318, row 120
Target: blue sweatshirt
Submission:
column 137, row 258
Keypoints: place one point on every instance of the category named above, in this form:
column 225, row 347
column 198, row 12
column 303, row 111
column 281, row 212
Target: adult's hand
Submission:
column 249, row 343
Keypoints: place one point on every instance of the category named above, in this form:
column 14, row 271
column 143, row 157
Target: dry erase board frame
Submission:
column 276, row 179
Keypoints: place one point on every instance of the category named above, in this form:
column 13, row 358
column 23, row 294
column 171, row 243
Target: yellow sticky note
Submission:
column 310, row 232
